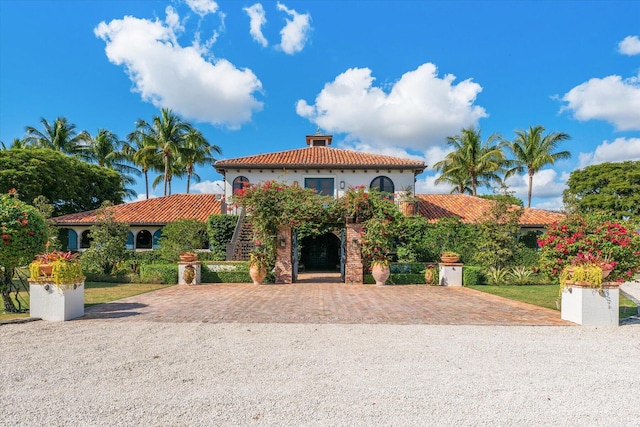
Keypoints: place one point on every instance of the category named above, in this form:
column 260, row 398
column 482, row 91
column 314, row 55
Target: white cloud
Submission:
column 553, row 204
column 257, row 20
column 202, row 7
column 295, row 33
column 629, row 46
column 619, row 150
column 169, row 75
column 547, row 184
column 427, row 185
column 209, row 187
column 612, row 99
column 418, row 112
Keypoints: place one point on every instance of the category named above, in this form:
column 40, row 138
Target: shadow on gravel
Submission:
column 112, row 310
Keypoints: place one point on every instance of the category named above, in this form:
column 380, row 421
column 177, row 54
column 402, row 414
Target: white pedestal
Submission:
column 585, row 306
column 196, row 266
column 450, row 274
column 56, row 303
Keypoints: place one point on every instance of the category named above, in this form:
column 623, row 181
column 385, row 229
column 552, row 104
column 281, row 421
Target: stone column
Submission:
column 284, row 256
column 450, row 273
column 353, row 274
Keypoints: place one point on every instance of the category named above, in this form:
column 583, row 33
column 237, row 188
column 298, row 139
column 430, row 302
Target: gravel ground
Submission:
column 119, row 373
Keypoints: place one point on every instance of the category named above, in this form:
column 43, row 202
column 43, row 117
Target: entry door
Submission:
column 343, row 253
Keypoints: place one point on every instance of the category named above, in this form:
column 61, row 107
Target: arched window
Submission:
column 156, row 239
column 143, row 240
column 85, row 241
column 239, row 183
column 129, row 243
column 383, row 185
column 72, row 240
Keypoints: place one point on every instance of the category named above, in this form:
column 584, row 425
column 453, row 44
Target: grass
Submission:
column 545, row 296
column 97, row 293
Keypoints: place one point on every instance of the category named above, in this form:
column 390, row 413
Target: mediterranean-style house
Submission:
column 329, row 171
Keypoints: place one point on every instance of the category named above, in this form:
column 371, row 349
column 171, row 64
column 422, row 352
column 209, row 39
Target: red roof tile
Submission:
column 156, row 211
column 314, row 157
column 471, row 209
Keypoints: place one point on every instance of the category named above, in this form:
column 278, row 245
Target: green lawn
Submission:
column 98, row 293
column 545, row 296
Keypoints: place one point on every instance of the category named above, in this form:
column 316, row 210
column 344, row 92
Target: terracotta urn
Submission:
column 189, row 274
column 380, row 273
column 45, row 269
column 429, row 276
column 449, row 259
column 257, row 273
column 188, row 256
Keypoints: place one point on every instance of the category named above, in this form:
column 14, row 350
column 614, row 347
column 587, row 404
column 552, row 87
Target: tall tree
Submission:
column 613, row 188
column 59, row 136
column 69, row 183
column 166, row 132
column 532, row 151
column 197, row 151
column 140, row 150
column 479, row 161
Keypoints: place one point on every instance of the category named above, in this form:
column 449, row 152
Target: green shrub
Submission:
column 159, row 273
column 526, row 256
column 109, row 278
column 472, row 275
column 220, row 229
column 497, row 276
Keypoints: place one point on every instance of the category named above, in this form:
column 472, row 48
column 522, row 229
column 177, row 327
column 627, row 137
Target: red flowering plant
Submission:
column 593, row 239
column 23, row 234
column 380, row 232
column 50, row 257
column 274, row 204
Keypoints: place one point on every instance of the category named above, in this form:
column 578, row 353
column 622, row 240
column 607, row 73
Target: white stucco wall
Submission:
column 351, row 178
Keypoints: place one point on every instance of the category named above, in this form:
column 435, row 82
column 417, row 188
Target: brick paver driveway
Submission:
column 317, row 302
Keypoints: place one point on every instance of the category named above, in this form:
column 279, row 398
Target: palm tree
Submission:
column 140, row 151
column 106, row 150
column 460, row 182
column 198, row 151
column 473, row 159
column 532, row 151
column 166, row 133
column 59, row 135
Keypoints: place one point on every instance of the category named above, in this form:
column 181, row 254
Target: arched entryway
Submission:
column 321, row 253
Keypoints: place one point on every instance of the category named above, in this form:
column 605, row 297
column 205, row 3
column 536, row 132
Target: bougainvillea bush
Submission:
column 23, row 234
column 598, row 237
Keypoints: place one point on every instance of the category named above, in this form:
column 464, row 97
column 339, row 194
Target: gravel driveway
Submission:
column 114, row 372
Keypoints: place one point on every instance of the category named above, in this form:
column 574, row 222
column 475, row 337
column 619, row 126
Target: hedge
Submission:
column 472, row 275
column 159, row 273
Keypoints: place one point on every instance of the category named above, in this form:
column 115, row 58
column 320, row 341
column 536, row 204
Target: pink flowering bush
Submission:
column 594, row 239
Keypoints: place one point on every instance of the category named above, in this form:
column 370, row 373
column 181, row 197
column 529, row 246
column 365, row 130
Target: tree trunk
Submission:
column 166, row 173
column 5, row 287
column 146, row 182
column 530, row 188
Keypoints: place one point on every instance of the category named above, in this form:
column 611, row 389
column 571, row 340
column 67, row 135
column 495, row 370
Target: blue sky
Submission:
column 392, row 77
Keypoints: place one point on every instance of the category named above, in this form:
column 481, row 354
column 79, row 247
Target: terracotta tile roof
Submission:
column 314, row 157
column 156, row 211
column 471, row 209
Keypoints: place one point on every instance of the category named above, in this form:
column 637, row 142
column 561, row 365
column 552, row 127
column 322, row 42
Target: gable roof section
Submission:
column 156, row 211
column 320, row 157
column 471, row 209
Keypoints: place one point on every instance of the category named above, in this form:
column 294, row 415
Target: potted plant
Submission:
column 57, row 294
column 408, row 202
column 376, row 245
column 449, row 257
column 259, row 264
column 60, row 267
column 585, row 298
